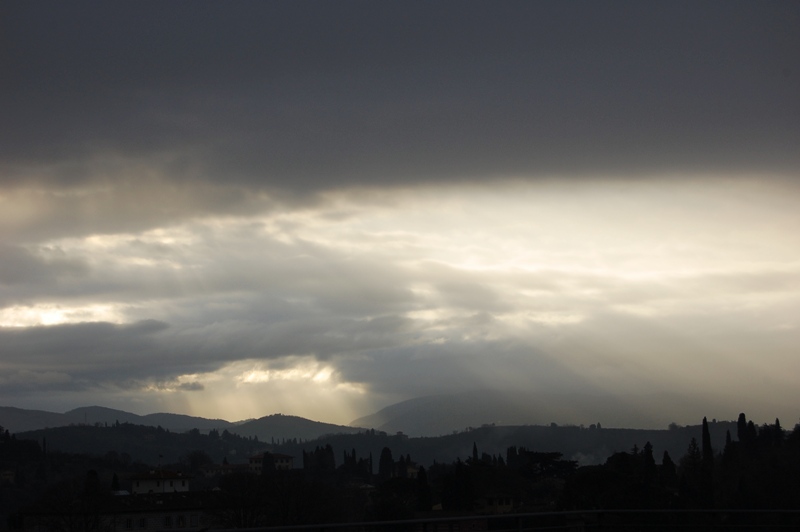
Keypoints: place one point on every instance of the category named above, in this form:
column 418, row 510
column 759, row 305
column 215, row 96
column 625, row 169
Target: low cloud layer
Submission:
column 556, row 291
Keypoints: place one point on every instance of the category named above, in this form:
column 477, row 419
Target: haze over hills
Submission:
column 435, row 428
column 442, row 414
column 276, row 426
column 589, row 445
column 423, row 416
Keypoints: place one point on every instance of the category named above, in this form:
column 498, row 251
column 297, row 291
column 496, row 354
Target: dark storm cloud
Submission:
column 20, row 266
column 83, row 344
column 80, row 356
column 312, row 95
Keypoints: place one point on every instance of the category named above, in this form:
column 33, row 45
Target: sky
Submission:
column 234, row 209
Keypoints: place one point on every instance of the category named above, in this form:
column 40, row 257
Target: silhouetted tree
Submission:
column 424, row 497
column 402, row 467
column 197, row 459
column 691, row 468
column 648, row 464
column 386, row 464
column 741, row 427
column 708, row 452
column 752, row 432
column 668, row 472
column 512, row 457
column 457, row 489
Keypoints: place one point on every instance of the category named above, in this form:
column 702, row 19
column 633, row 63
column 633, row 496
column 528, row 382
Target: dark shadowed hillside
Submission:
column 139, row 443
column 173, row 422
column 21, row 420
column 275, row 427
column 279, row 427
column 588, row 445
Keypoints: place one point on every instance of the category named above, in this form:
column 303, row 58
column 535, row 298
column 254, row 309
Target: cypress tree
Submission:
column 424, row 497
column 386, row 464
column 648, row 464
column 708, row 452
column 669, row 473
column 741, row 428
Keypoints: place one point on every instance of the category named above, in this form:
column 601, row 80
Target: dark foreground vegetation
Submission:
column 752, row 479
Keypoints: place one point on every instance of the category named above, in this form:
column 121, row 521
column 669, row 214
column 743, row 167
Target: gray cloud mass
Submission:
column 291, row 96
column 324, row 207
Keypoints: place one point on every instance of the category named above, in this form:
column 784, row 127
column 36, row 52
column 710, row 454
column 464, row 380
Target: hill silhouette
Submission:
column 280, row 426
column 276, row 426
column 21, row 420
column 586, row 446
column 437, row 415
column 173, row 422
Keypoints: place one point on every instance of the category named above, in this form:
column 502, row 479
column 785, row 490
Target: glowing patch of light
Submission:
column 323, row 375
column 53, row 314
column 426, row 314
column 637, row 310
column 251, row 388
column 549, row 318
column 309, row 371
column 191, row 382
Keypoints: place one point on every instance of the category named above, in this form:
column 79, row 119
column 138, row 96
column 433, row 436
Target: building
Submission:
column 159, row 481
column 219, row 470
column 283, row 462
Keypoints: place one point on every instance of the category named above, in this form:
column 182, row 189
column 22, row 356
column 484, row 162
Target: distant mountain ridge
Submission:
column 589, row 445
column 174, row 422
column 434, row 415
column 438, row 415
column 275, row 426
column 21, row 420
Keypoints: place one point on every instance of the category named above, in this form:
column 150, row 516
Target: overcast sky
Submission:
column 233, row 209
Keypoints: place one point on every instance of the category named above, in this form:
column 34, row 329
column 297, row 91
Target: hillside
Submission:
column 139, row 443
column 447, row 413
column 585, row 445
column 21, row 420
column 280, row 427
column 173, row 422
column 275, row 426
